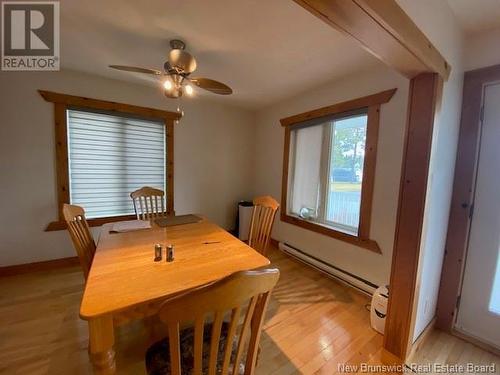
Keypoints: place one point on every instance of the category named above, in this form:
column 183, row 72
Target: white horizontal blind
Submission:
column 109, row 157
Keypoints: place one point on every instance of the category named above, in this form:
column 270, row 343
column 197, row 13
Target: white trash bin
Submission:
column 245, row 210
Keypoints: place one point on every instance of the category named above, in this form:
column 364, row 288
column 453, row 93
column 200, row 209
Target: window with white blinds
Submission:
column 110, row 156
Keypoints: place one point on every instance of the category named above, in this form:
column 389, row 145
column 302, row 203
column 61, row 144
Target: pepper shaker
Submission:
column 158, row 252
column 170, row 253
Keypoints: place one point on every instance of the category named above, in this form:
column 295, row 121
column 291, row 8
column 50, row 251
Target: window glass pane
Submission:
column 305, row 170
column 109, row 157
column 347, row 152
column 495, row 292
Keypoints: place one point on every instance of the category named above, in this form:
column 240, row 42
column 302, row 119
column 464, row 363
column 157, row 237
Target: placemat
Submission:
column 177, row 220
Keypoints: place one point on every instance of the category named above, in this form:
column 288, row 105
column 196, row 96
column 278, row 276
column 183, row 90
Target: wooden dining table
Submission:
column 125, row 283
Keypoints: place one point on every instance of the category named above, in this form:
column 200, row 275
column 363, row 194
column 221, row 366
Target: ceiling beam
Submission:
column 385, row 30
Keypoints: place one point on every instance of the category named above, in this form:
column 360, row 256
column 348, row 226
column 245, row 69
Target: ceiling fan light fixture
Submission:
column 168, row 85
column 175, row 77
column 188, row 89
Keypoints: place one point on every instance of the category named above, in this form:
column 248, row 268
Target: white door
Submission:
column 479, row 310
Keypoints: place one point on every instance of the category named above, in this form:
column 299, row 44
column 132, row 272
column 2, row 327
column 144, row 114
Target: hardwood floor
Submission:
column 313, row 324
column 443, row 349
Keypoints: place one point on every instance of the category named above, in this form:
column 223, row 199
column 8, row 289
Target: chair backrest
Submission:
column 227, row 295
column 263, row 215
column 79, row 231
column 148, row 203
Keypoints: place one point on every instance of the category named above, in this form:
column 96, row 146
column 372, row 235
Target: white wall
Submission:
column 213, row 157
column 269, row 153
column 482, row 50
column 438, row 22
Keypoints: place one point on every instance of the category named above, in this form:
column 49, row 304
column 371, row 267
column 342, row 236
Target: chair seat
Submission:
column 158, row 354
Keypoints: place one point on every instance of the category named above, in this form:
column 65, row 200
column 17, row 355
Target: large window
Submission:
column 326, row 169
column 110, row 156
column 329, row 169
column 106, row 150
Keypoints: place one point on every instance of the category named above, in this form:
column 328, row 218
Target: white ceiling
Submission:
column 265, row 50
column 477, row 16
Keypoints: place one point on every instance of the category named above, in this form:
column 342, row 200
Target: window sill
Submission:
column 349, row 238
column 61, row 224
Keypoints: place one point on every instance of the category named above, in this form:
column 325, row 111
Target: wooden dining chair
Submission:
column 263, row 215
column 83, row 241
column 148, row 203
column 79, row 231
column 217, row 347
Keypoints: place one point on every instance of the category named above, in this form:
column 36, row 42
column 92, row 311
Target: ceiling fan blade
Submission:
column 211, row 85
column 136, row 69
column 182, row 60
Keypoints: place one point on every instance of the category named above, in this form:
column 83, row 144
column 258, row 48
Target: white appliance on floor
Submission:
column 378, row 310
column 245, row 211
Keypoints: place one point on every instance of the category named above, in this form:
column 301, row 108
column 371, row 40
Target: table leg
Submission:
column 101, row 341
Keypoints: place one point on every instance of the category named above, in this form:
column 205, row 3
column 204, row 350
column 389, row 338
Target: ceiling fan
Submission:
column 175, row 76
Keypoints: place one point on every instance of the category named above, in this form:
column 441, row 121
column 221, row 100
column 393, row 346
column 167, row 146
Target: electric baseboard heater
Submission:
column 338, row 273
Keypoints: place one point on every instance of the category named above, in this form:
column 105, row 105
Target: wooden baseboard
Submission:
column 38, row 266
column 421, row 340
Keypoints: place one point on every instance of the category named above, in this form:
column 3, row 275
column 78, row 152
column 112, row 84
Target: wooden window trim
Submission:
column 62, row 103
column 372, row 104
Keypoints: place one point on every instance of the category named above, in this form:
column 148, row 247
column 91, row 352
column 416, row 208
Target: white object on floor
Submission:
column 130, row 226
column 378, row 310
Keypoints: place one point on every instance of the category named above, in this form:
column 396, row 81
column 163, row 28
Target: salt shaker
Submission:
column 170, row 253
column 158, row 251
